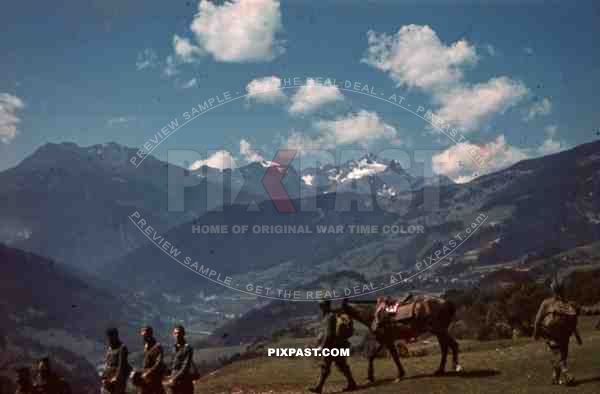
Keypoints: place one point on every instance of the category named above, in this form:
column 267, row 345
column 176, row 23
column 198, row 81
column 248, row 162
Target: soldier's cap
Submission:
column 112, row 332
column 147, row 329
column 43, row 364
column 179, row 328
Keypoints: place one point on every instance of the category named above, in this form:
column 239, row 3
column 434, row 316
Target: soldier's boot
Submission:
column 567, row 379
column 351, row 386
column 318, row 389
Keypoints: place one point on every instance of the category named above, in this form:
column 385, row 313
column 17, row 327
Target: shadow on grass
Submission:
column 471, row 374
column 368, row 385
column 586, row 381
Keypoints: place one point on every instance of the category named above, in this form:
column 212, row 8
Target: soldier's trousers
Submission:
column 341, row 363
column 151, row 388
column 118, row 388
column 186, row 387
column 560, row 351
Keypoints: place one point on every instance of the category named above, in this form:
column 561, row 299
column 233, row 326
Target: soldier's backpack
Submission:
column 560, row 318
column 344, row 326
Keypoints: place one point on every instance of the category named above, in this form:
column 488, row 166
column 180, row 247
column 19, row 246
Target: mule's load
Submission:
column 396, row 310
column 403, row 319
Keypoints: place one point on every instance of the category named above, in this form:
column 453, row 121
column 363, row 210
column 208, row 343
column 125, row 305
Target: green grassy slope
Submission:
column 520, row 366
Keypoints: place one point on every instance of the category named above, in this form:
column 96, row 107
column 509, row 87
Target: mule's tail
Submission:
column 451, row 310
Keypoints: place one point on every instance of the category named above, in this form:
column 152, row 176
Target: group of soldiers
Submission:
column 151, row 379
column 154, row 376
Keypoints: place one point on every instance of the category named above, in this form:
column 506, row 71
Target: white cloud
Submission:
column 120, row 120
column 471, row 106
column 300, row 141
column 247, row 151
column 551, row 130
column 185, row 50
column 312, row 96
column 239, row 31
column 221, row 160
column 539, row 108
column 266, row 90
column 490, row 49
column 9, row 106
column 456, row 163
column 192, row 83
column 550, row 144
column 170, row 68
column 415, row 57
column 362, row 128
column 359, row 127
column 146, row 59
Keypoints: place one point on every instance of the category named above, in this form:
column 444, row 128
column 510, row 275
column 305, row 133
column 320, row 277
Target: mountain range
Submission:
column 535, row 207
column 71, row 203
column 66, row 220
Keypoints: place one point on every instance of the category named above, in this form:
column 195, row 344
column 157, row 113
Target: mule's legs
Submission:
column 371, row 370
column 455, row 351
column 443, row 341
column 396, row 357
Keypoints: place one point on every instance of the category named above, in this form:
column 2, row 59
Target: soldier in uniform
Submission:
column 328, row 340
column 154, row 366
column 47, row 381
column 180, row 380
column 559, row 348
column 116, row 368
column 24, row 383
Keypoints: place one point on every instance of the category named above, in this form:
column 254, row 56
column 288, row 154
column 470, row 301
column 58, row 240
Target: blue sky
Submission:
column 519, row 79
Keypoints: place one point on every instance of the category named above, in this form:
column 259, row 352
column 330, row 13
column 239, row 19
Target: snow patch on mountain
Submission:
column 364, row 169
column 308, row 179
column 267, row 163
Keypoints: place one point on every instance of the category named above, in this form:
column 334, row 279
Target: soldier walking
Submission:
column 116, row 368
column 154, row 367
column 558, row 344
column 47, row 381
column 329, row 340
column 180, row 380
